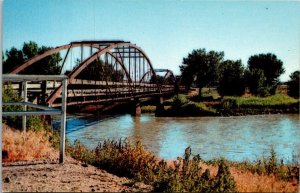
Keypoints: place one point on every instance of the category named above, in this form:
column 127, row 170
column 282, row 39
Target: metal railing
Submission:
column 41, row 110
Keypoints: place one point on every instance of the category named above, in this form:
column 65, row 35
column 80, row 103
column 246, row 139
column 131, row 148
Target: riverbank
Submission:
column 30, row 164
column 193, row 106
column 43, row 173
column 189, row 172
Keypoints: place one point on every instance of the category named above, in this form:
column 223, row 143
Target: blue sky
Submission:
column 167, row 30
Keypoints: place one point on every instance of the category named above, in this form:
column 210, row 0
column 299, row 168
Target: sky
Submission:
column 167, row 30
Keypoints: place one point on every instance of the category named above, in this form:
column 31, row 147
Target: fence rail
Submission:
column 42, row 110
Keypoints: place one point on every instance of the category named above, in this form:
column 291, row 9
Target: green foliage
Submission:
column 15, row 57
column 100, row 70
column 181, row 106
column 294, row 87
column 258, row 102
column 263, row 73
column 224, row 181
column 231, row 78
column 178, row 101
column 121, row 158
column 9, row 95
column 200, row 67
column 33, row 122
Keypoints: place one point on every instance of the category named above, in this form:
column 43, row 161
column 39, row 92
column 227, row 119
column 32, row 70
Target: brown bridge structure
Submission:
column 105, row 71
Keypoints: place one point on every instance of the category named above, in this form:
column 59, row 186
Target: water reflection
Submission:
column 235, row 138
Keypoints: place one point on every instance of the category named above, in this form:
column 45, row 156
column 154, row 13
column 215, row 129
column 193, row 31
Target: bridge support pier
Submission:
column 160, row 106
column 137, row 108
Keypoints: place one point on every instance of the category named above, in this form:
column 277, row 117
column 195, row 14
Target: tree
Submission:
column 265, row 68
column 231, row 78
column 99, row 70
column 15, row 57
column 201, row 67
column 293, row 84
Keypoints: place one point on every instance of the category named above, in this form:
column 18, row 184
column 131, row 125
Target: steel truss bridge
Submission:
column 103, row 71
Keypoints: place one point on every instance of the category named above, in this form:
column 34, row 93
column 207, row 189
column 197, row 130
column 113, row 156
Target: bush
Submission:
column 33, row 122
column 9, row 95
column 181, row 106
column 178, row 101
column 121, row 158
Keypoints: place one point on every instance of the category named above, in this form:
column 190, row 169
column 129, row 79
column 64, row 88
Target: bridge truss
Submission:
column 104, row 71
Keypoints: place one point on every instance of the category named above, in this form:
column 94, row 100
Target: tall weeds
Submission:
column 124, row 159
column 17, row 145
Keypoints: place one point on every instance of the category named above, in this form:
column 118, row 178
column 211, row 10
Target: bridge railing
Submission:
column 41, row 110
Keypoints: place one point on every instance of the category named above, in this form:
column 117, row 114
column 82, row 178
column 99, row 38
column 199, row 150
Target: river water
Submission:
column 235, row 138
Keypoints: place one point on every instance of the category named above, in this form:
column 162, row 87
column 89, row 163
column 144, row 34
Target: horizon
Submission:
column 167, row 31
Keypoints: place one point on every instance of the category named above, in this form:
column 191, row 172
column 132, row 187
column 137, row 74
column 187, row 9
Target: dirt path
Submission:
column 73, row 176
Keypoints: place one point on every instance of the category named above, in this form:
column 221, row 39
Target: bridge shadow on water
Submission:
column 75, row 122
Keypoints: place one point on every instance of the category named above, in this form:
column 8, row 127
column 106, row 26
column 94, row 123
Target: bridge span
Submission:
column 100, row 71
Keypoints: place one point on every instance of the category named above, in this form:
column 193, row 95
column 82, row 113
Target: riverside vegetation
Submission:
column 186, row 105
column 186, row 174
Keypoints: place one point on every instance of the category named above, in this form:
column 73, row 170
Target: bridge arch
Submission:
column 131, row 59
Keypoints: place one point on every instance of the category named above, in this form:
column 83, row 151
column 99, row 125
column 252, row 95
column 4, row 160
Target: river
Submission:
column 235, row 138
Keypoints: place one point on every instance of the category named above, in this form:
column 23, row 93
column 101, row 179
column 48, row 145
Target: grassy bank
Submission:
column 279, row 103
column 185, row 105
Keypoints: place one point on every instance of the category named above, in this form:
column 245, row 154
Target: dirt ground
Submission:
column 73, row 176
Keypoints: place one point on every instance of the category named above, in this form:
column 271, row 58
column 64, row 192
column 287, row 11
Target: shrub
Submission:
column 178, row 101
column 9, row 95
column 121, row 158
column 33, row 122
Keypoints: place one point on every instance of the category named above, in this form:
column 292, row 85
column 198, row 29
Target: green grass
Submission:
column 270, row 101
column 148, row 109
column 182, row 106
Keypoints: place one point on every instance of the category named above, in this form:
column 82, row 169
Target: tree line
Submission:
column 97, row 70
column 203, row 68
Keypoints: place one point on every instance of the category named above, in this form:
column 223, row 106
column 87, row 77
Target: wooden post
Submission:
column 63, row 121
column 24, row 118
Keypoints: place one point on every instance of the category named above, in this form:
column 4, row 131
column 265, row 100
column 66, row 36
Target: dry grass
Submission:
column 249, row 182
column 24, row 145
